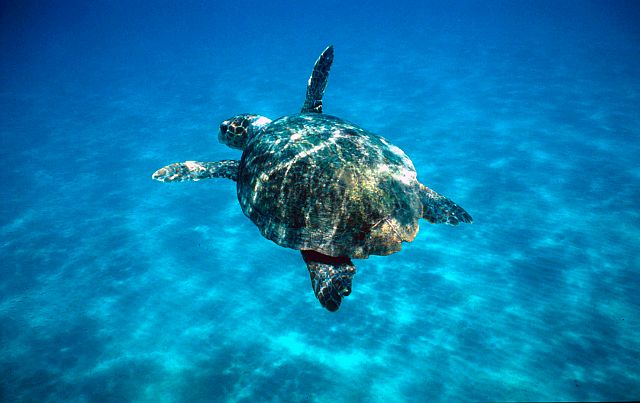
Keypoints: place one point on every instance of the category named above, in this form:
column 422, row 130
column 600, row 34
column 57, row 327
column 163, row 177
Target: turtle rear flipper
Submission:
column 330, row 277
column 438, row 209
column 318, row 82
column 195, row 170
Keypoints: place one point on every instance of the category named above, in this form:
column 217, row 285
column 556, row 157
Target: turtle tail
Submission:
column 330, row 277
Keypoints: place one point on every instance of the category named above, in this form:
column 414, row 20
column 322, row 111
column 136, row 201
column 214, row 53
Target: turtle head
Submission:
column 236, row 131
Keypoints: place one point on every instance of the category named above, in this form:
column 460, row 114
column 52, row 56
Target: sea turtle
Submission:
column 324, row 186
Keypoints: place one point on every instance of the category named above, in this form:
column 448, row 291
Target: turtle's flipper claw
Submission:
column 331, row 277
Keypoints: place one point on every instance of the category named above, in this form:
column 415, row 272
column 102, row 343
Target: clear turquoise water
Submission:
column 114, row 287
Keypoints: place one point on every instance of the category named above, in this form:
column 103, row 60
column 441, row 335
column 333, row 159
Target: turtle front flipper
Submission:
column 330, row 277
column 318, row 82
column 194, row 171
column 438, row 209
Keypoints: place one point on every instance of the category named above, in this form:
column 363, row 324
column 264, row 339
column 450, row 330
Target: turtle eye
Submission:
column 223, row 128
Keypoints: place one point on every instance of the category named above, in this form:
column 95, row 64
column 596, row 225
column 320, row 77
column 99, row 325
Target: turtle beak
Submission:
column 224, row 126
column 222, row 134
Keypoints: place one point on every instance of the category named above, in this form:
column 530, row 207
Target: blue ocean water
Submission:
column 114, row 287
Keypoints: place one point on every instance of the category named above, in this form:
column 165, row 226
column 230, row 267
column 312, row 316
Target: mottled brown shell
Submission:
column 315, row 182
